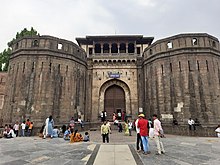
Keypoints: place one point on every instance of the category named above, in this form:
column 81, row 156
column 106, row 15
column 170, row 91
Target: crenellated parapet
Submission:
column 182, row 78
column 60, row 47
column 182, row 43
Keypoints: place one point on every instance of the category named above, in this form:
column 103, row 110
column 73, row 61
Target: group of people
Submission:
column 143, row 130
column 49, row 130
column 26, row 128
column 192, row 124
column 75, row 136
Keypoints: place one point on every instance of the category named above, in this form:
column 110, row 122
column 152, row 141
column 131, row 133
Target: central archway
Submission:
column 121, row 86
column 114, row 100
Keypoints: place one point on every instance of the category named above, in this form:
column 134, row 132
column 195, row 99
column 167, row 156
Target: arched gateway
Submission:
column 114, row 100
column 114, row 96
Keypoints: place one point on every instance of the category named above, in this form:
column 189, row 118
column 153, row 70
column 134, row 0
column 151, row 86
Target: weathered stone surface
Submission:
column 175, row 77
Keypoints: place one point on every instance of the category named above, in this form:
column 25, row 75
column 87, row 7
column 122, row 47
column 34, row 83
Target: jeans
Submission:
column 145, row 143
column 139, row 141
column 22, row 132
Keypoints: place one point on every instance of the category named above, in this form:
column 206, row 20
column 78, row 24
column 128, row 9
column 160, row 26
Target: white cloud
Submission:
column 72, row 18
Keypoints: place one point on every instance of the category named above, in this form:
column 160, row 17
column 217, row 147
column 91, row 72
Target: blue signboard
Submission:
column 114, row 75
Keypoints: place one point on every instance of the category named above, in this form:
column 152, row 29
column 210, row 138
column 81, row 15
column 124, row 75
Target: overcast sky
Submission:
column 69, row 19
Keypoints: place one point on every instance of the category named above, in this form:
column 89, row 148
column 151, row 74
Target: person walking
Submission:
column 105, row 130
column 144, row 127
column 48, row 129
column 157, row 135
column 138, row 142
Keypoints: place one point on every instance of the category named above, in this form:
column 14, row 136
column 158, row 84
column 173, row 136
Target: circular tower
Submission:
column 46, row 76
column 182, row 78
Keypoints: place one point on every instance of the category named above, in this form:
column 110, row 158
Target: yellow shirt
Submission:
column 105, row 129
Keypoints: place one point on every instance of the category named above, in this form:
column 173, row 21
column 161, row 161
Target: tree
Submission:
column 5, row 55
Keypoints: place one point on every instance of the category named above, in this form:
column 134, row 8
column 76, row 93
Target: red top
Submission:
column 142, row 124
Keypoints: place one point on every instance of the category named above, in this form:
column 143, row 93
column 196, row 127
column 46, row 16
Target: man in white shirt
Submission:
column 191, row 124
column 138, row 142
column 157, row 135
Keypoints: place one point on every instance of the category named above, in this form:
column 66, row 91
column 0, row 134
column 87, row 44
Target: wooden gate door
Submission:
column 114, row 100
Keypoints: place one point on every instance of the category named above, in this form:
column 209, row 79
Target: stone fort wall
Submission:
column 177, row 77
column 182, row 78
column 46, row 76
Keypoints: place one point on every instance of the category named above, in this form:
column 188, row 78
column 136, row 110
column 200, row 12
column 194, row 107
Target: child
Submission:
column 56, row 132
column 30, row 129
column 67, row 134
column 130, row 126
column 86, row 137
column 22, row 128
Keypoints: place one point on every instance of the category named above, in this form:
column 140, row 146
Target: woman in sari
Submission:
column 126, row 129
column 48, row 129
column 76, row 137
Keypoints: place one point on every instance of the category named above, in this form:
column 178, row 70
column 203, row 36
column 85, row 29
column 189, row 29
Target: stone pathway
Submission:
column 121, row 150
column 114, row 154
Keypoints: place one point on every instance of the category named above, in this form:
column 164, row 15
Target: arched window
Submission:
column 97, row 48
column 130, row 48
column 105, row 48
column 35, row 43
column 122, row 48
column 114, row 48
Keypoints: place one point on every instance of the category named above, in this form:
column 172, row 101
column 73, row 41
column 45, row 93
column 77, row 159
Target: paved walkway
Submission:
column 114, row 154
column 121, row 150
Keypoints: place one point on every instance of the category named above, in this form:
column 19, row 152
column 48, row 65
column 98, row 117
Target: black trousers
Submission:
column 105, row 136
column 139, row 141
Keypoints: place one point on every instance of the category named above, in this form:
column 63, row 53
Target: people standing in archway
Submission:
column 114, row 116
column 103, row 116
column 119, row 114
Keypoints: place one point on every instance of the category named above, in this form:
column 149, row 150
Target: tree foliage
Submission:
column 5, row 55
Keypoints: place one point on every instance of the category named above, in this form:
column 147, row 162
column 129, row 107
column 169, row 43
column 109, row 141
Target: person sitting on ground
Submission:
column 56, row 132
column 218, row 131
column 11, row 133
column 67, row 134
column 86, row 137
column 76, row 137
column 5, row 132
